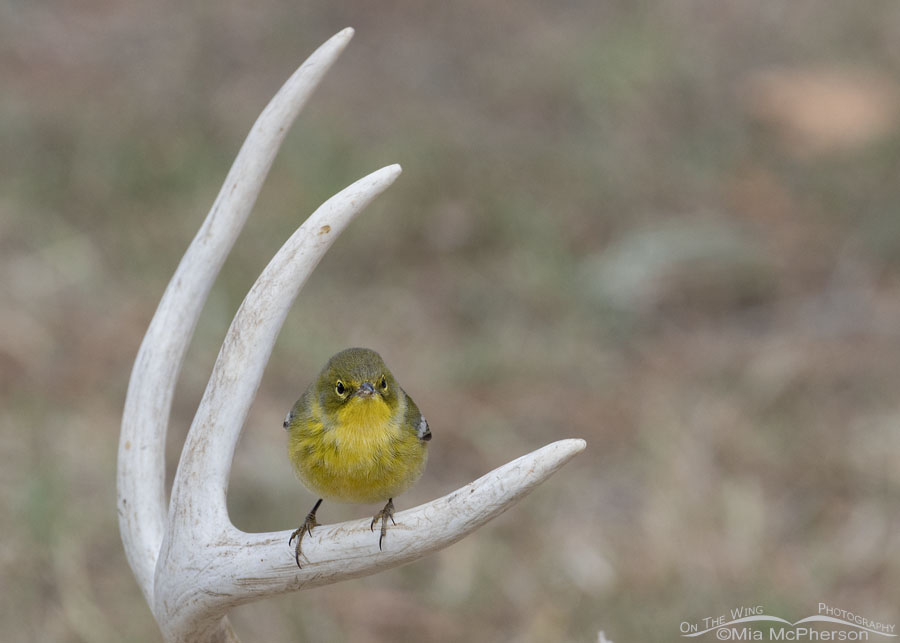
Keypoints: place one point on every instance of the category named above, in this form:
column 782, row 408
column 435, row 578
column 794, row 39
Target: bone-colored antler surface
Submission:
column 141, row 463
column 190, row 561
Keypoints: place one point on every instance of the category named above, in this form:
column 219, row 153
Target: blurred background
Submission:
column 668, row 228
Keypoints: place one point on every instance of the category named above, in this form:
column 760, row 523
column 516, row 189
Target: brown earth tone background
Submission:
column 669, row 228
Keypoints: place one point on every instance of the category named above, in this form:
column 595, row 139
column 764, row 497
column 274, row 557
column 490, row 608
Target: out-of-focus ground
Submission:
column 671, row 229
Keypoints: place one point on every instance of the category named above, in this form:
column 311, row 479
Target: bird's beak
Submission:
column 365, row 390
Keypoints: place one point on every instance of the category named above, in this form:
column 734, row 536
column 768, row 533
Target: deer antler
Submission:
column 191, row 563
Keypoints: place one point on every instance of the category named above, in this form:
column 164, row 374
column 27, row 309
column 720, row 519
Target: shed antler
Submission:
column 191, row 563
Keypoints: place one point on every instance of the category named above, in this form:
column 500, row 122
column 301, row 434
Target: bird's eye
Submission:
column 383, row 383
column 339, row 388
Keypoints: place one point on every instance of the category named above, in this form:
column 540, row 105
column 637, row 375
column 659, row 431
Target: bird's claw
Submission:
column 383, row 515
column 306, row 527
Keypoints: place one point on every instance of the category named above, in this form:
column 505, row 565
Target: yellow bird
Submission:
column 356, row 436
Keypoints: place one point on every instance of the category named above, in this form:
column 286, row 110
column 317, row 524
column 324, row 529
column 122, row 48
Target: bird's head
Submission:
column 356, row 381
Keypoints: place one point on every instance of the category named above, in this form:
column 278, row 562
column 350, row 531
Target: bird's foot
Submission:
column 383, row 515
column 305, row 528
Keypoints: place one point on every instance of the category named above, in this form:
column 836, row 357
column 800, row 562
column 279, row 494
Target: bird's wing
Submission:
column 416, row 420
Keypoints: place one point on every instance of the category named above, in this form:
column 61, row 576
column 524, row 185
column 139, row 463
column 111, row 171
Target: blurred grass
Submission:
column 617, row 221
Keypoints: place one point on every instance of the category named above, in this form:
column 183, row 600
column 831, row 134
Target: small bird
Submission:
column 356, row 436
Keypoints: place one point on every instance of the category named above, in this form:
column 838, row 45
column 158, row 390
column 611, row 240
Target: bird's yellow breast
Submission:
column 362, row 454
column 365, row 416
